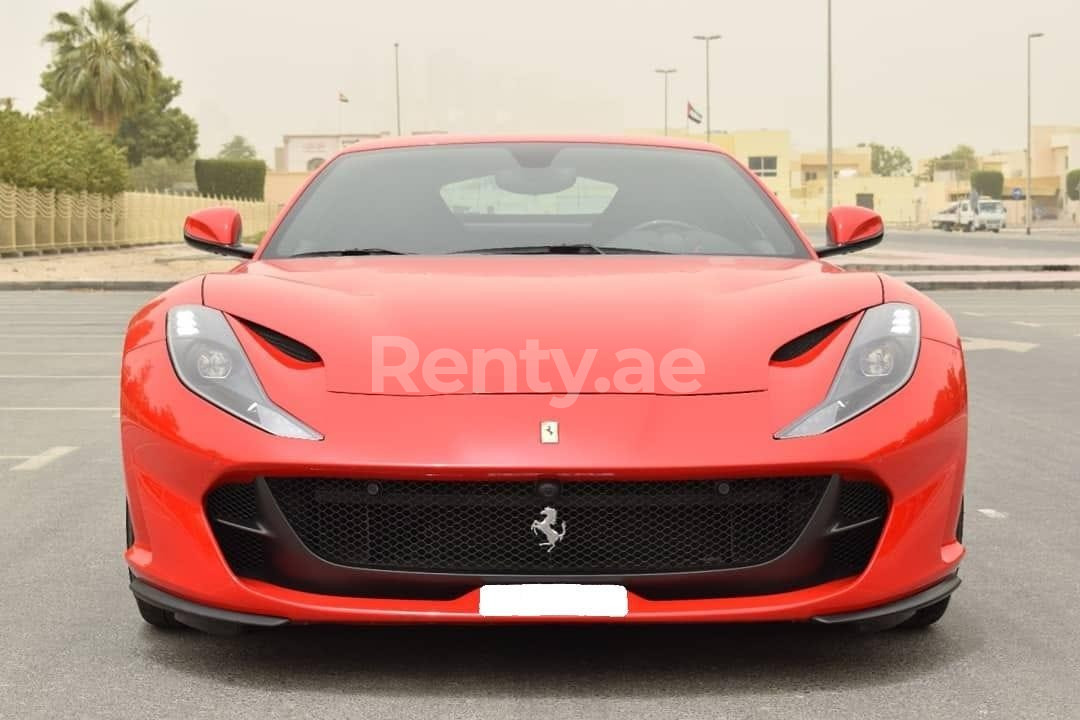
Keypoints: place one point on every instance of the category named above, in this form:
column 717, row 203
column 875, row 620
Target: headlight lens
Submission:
column 877, row 363
column 208, row 359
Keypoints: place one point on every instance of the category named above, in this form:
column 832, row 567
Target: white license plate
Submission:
column 551, row 600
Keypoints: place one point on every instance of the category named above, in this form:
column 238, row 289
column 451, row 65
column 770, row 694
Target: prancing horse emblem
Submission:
column 547, row 527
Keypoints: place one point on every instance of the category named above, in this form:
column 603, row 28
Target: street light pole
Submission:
column 828, row 109
column 397, row 88
column 708, row 106
column 665, row 72
column 1027, row 197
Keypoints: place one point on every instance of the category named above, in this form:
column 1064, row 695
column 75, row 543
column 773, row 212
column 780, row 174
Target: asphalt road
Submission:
column 73, row 645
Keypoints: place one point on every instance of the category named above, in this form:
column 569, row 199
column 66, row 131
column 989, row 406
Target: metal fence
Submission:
column 43, row 220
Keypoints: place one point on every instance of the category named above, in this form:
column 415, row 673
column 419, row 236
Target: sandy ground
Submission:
column 157, row 262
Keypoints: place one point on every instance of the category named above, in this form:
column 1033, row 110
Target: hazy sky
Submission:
column 922, row 74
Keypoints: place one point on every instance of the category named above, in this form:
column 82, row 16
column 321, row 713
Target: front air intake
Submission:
column 293, row 348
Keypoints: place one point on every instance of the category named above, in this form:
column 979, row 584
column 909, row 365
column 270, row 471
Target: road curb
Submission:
column 968, row 268
column 990, row 284
column 101, row 285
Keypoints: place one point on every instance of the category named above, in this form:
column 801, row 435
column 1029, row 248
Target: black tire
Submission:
column 151, row 614
column 925, row 617
column 162, row 619
column 930, row 614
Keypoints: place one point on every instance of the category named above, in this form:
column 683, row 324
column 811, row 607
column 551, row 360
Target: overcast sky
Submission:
column 922, row 74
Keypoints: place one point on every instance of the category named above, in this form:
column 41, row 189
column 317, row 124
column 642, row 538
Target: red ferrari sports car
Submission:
column 541, row 379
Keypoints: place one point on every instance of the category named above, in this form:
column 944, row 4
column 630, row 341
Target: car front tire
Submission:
column 151, row 614
column 925, row 617
column 161, row 619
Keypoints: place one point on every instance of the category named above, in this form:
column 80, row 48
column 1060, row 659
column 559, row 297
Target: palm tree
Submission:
column 100, row 68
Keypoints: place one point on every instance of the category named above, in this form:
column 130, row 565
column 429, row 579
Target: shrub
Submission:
column 241, row 179
column 988, row 182
column 1072, row 184
column 55, row 151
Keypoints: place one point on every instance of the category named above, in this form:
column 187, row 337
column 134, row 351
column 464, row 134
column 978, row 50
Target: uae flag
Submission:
column 692, row 114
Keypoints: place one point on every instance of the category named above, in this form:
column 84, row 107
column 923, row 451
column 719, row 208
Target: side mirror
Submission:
column 851, row 228
column 216, row 230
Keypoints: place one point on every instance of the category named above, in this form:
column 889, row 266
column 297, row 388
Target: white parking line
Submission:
column 25, row 408
column 59, row 377
column 972, row 344
column 31, row 311
column 21, row 324
column 973, row 314
column 36, row 462
column 1024, row 323
column 994, row 514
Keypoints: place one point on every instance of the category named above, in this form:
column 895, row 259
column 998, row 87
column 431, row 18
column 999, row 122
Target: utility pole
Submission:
column 666, row 72
column 1027, row 199
column 397, row 88
column 708, row 106
column 828, row 109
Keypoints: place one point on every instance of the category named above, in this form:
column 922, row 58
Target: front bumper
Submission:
column 175, row 452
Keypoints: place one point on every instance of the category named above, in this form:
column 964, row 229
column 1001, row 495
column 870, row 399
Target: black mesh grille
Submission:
column 235, row 505
column 860, row 501
column 610, row 527
column 850, row 551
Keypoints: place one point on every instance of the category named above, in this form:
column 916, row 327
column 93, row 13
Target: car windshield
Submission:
column 534, row 197
column 990, row 206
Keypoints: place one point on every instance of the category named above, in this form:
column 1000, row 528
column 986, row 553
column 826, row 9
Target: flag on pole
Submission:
column 341, row 97
column 692, row 114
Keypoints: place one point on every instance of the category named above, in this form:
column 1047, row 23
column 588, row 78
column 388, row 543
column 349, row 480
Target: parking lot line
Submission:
column 36, row 462
column 59, row 377
column 27, row 408
column 973, row 343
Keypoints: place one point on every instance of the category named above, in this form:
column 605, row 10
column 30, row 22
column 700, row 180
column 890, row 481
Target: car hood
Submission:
column 733, row 312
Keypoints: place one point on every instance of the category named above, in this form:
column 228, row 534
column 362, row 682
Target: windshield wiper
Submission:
column 349, row 251
column 565, row 249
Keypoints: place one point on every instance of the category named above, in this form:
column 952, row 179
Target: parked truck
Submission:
column 991, row 215
column 957, row 216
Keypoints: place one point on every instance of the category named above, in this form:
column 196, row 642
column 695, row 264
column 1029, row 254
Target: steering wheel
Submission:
column 663, row 227
column 661, row 224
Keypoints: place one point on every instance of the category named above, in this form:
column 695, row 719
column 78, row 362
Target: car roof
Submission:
column 406, row 141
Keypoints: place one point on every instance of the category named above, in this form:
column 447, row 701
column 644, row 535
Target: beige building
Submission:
column 847, row 162
column 797, row 179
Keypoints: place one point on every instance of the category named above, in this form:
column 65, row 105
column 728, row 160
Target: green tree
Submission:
column 155, row 130
column 988, row 182
column 163, row 175
column 244, row 179
column 57, row 151
column 100, row 68
column 237, row 149
column 960, row 160
column 1072, row 184
column 888, row 161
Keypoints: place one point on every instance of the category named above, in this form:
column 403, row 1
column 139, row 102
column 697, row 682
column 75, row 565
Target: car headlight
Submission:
column 877, row 363
column 209, row 360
